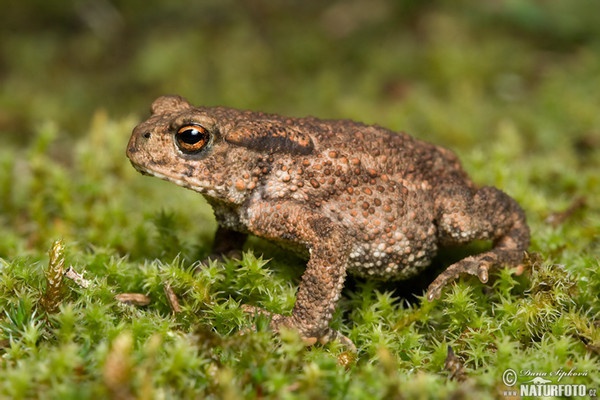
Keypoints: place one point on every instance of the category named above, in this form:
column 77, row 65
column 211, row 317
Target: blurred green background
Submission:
column 392, row 62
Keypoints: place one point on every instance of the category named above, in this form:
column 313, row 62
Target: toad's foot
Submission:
column 478, row 265
column 278, row 321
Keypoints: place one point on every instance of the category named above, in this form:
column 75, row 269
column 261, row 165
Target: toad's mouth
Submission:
column 149, row 172
column 169, row 178
column 205, row 188
column 142, row 170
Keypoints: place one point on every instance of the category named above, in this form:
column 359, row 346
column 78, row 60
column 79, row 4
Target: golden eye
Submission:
column 191, row 138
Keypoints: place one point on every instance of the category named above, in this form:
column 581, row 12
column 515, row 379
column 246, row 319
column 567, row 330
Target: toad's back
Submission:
column 378, row 185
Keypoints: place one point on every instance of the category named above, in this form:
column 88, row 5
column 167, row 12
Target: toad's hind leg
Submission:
column 487, row 213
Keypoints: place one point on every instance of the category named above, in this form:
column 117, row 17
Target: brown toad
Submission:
column 350, row 197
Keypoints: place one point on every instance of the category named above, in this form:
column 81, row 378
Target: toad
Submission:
column 351, row 198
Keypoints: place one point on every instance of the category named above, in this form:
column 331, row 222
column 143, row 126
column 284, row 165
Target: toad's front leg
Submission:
column 323, row 280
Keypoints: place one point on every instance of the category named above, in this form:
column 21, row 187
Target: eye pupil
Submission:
column 192, row 138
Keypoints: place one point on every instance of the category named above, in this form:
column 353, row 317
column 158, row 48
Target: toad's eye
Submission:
column 191, row 138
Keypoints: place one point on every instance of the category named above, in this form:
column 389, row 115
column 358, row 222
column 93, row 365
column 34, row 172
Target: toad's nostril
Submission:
column 147, row 135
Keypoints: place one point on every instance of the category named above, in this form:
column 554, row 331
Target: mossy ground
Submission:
column 512, row 86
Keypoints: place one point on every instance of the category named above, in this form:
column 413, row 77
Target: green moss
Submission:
column 509, row 86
